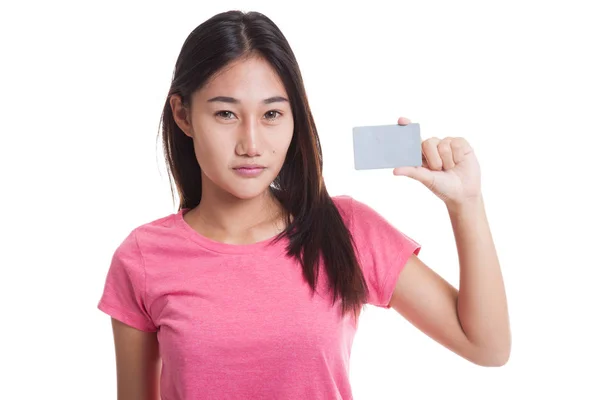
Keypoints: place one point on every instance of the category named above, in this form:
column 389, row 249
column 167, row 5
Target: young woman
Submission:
column 253, row 289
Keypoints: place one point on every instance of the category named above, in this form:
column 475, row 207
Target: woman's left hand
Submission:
column 450, row 169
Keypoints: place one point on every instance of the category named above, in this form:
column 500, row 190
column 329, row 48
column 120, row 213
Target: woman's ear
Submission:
column 181, row 114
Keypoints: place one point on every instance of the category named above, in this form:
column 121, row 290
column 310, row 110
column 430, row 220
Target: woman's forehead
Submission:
column 246, row 80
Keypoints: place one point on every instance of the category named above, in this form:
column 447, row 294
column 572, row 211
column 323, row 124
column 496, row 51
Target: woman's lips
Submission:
column 249, row 171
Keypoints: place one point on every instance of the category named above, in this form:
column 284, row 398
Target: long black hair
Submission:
column 317, row 233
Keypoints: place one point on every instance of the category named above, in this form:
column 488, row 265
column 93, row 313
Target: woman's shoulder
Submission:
column 343, row 201
column 350, row 207
column 344, row 205
column 360, row 215
column 158, row 228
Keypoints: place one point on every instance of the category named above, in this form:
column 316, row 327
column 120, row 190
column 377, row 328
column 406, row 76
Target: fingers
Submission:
column 424, row 162
column 420, row 174
column 431, row 154
column 460, row 148
column 444, row 154
column 441, row 154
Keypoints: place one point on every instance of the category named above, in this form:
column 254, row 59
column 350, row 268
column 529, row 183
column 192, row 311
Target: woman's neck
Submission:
column 227, row 219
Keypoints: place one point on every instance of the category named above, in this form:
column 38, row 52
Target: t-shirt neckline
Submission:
column 227, row 248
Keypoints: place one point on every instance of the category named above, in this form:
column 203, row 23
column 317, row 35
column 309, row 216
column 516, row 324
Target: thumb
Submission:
column 420, row 174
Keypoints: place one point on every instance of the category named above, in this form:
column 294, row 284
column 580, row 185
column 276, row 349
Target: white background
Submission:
column 82, row 88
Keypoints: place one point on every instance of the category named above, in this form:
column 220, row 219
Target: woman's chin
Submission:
column 248, row 191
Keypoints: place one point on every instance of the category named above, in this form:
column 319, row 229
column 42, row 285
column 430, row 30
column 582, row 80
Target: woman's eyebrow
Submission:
column 226, row 99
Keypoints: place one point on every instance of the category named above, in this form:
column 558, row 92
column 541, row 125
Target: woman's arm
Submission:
column 138, row 363
column 482, row 305
column 473, row 321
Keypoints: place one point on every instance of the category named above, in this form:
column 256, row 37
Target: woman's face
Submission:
column 241, row 117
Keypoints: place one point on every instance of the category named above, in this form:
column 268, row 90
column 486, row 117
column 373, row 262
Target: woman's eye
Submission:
column 271, row 115
column 224, row 114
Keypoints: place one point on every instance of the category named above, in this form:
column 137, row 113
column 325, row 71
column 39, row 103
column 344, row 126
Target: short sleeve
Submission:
column 123, row 297
column 382, row 249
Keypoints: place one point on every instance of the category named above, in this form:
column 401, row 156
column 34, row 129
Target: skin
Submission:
column 138, row 362
column 472, row 321
column 234, row 209
column 257, row 129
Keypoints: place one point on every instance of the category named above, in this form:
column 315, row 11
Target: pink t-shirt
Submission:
column 238, row 321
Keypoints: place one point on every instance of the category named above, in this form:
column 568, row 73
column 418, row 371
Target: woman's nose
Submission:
column 248, row 139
